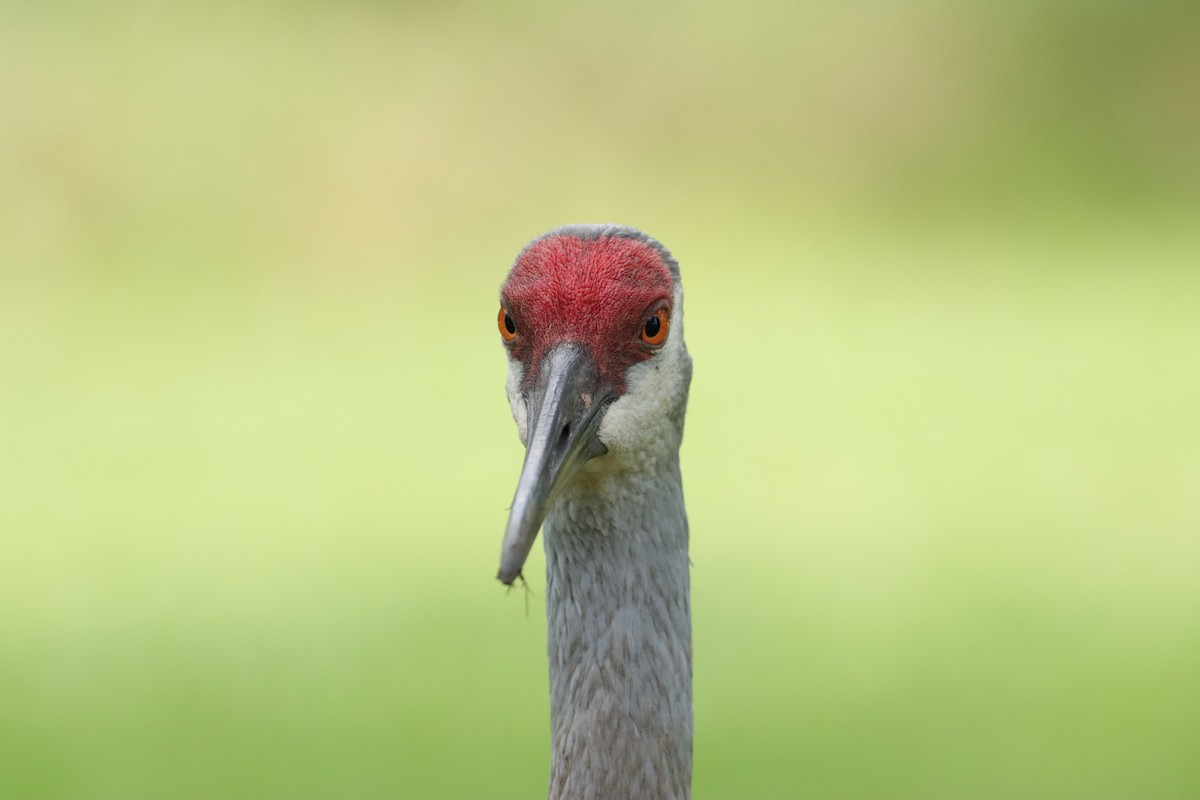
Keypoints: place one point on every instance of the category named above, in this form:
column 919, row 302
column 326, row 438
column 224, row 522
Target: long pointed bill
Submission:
column 565, row 410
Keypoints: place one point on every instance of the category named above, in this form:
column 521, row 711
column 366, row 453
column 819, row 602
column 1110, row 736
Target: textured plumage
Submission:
column 592, row 318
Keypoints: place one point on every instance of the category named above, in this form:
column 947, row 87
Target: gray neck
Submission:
column 620, row 637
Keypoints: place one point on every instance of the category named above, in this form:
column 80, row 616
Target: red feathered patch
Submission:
column 595, row 292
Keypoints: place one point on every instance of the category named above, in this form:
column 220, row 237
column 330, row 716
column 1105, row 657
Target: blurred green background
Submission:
column 942, row 458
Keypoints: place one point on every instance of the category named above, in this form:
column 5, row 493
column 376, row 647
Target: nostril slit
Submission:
column 566, row 433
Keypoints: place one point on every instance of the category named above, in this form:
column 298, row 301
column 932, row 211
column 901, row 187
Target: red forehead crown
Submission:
column 596, row 292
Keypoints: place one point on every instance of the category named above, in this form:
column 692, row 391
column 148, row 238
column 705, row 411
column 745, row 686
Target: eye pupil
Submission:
column 653, row 325
column 509, row 325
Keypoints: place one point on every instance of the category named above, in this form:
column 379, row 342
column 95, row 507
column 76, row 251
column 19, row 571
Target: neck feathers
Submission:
column 620, row 646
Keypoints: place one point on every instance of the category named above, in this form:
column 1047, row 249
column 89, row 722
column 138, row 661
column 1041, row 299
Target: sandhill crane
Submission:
column 598, row 373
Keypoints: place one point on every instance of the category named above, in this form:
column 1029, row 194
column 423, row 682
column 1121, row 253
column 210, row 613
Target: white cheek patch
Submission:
column 520, row 409
column 646, row 418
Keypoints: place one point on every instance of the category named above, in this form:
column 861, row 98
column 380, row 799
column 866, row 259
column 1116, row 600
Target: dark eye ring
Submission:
column 508, row 328
column 655, row 330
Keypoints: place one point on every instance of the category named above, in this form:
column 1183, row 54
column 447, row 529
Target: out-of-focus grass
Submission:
column 941, row 456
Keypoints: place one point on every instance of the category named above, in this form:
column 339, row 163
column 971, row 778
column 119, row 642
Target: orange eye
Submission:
column 508, row 328
column 655, row 329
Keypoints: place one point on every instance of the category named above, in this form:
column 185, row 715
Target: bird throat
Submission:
column 619, row 638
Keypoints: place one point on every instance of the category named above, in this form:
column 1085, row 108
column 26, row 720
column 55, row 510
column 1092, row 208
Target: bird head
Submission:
column 592, row 321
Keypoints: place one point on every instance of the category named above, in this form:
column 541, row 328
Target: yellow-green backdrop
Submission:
column 943, row 453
